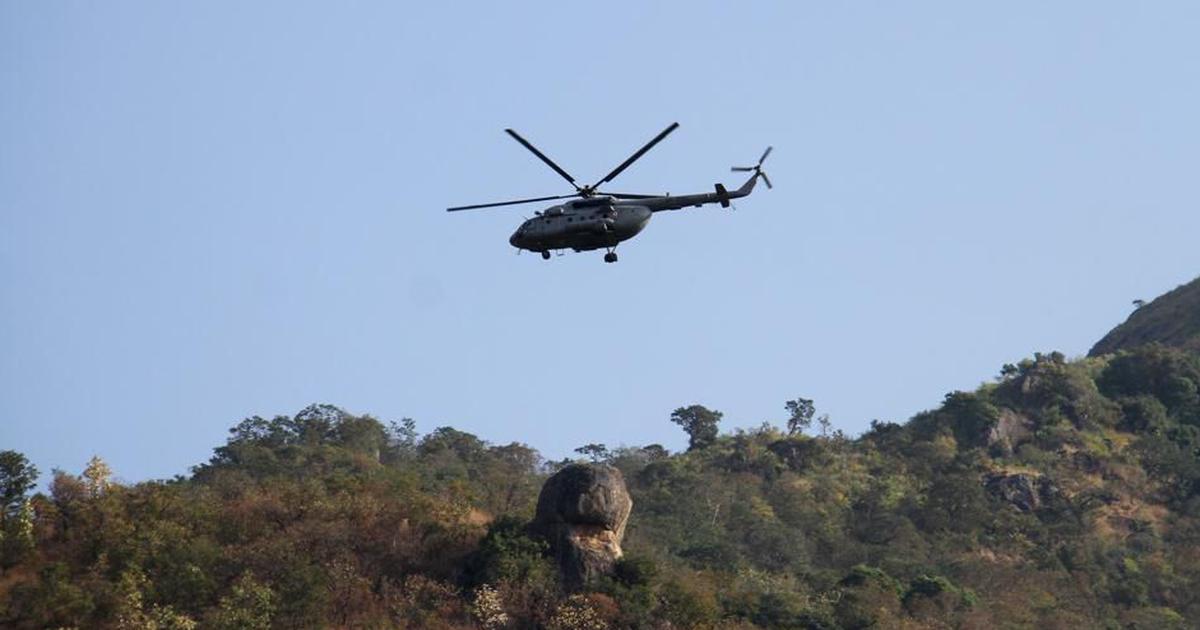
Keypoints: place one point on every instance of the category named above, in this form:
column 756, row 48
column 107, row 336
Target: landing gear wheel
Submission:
column 610, row 257
column 545, row 255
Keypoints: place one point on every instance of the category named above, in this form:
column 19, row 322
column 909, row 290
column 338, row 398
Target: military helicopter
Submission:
column 600, row 220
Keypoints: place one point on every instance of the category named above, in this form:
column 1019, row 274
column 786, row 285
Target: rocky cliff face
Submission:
column 582, row 511
column 1172, row 319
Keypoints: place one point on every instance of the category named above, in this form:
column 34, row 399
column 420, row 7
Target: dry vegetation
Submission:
column 1063, row 495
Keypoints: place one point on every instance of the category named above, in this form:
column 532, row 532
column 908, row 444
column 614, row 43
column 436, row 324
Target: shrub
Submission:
column 507, row 553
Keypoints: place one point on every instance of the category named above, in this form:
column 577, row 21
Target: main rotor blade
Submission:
column 508, row 203
column 628, row 195
column 642, row 151
column 542, row 156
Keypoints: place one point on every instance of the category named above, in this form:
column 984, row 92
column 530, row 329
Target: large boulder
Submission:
column 582, row 512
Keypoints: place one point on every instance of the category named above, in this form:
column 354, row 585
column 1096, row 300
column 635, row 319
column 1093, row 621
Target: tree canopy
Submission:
column 1064, row 494
column 700, row 424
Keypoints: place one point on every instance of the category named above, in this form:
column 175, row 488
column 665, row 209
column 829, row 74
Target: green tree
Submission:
column 1170, row 375
column 362, row 434
column 507, row 478
column 17, row 477
column 53, row 600
column 461, row 444
column 318, row 423
column 868, row 596
column 131, row 612
column 800, row 414
column 699, row 423
column 1143, row 414
column 508, row 553
column 16, row 536
column 969, row 416
column 402, row 439
column 250, row 605
column 1173, row 458
column 594, row 452
column 655, row 451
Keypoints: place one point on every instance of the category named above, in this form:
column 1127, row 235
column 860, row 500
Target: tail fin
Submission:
column 722, row 195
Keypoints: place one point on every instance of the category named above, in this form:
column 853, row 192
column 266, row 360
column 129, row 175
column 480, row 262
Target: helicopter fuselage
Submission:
column 582, row 225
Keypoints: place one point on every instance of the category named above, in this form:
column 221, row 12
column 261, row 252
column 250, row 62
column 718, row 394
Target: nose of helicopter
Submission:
column 515, row 239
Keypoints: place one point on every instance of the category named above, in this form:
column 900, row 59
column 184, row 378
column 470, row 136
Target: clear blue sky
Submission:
column 221, row 209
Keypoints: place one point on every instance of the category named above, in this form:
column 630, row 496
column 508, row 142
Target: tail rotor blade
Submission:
column 757, row 168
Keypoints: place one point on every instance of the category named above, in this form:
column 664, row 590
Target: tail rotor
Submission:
column 757, row 168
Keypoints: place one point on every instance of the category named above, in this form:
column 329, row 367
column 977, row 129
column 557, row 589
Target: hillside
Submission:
column 1065, row 494
column 1173, row 319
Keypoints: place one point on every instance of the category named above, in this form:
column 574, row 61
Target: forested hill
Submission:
column 1065, row 494
column 1172, row 319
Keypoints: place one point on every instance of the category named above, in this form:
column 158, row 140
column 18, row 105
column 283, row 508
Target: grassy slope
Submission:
column 1173, row 319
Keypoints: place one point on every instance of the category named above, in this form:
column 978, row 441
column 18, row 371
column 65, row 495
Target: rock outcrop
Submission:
column 1009, row 430
column 581, row 512
column 1025, row 492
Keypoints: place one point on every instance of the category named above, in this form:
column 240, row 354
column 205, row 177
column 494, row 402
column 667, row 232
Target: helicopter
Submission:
column 594, row 219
